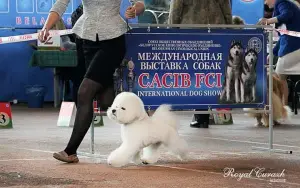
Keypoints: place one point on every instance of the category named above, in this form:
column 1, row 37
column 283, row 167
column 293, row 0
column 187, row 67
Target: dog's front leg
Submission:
column 242, row 92
column 123, row 155
column 253, row 93
column 236, row 88
column 177, row 145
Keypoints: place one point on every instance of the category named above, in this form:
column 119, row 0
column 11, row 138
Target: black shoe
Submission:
column 196, row 124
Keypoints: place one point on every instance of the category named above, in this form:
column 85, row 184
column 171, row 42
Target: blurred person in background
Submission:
column 286, row 15
column 102, row 31
column 236, row 20
column 200, row 12
column 268, row 12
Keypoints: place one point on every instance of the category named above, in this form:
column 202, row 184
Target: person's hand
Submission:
column 135, row 10
column 130, row 12
column 43, row 35
column 263, row 21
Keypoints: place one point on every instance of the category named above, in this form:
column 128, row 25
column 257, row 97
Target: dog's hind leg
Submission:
column 137, row 158
column 177, row 145
column 266, row 120
column 151, row 153
column 258, row 119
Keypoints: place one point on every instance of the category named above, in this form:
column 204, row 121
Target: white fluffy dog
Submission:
column 139, row 132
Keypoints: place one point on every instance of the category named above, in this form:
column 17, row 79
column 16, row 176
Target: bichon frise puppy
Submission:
column 139, row 132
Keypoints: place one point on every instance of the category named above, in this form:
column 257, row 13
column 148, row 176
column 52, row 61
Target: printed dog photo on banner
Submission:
column 191, row 69
column 240, row 78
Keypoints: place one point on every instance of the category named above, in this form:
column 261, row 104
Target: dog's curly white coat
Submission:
column 141, row 134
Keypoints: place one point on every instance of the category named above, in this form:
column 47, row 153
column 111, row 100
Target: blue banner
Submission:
column 31, row 13
column 195, row 69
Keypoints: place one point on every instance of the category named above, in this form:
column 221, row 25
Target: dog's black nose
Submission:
column 113, row 111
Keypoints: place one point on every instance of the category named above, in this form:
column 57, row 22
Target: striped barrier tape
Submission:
column 287, row 32
column 33, row 36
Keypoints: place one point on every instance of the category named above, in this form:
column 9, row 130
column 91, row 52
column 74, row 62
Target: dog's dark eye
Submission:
column 123, row 108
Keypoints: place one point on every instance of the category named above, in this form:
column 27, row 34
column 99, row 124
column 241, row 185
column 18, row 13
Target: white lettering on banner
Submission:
column 163, row 66
column 178, row 93
column 33, row 21
column 180, row 56
column 182, row 45
column 207, row 66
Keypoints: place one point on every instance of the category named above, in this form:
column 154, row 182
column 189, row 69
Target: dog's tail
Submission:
column 163, row 113
column 287, row 112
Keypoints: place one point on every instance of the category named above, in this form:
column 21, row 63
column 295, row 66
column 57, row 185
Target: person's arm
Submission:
column 225, row 6
column 285, row 14
column 58, row 9
column 175, row 14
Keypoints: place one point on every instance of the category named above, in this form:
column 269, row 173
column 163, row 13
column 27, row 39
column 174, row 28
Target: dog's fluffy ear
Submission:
column 247, row 49
column 232, row 42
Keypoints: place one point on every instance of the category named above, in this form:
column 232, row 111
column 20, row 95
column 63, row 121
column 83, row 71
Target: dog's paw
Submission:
column 137, row 161
column 259, row 124
column 115, row 163
column 276, row 123
column 116, row 160
column 147, row 161
column 266, row 125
